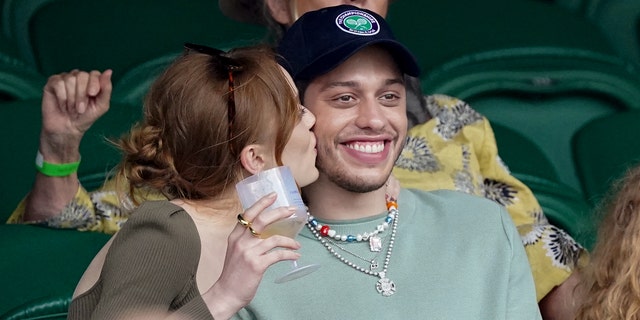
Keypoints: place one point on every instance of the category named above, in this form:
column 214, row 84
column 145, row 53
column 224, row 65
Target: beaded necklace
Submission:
column 375, row 243
column 384, row 285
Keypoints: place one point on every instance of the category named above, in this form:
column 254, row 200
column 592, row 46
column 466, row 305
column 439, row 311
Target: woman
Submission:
column 610, row 286
column 210, row 120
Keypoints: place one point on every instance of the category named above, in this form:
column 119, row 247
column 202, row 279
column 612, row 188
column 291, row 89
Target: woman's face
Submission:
column 299, row 153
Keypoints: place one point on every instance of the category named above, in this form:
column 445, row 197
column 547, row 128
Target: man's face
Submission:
column 361, row 122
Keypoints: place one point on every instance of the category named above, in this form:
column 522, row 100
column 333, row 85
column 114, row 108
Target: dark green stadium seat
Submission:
column 16, row 15
column 546, row 94
column 17, row 79
column 620, row 22
column 577, row 6
column 438, row 31
column 65, row 35
column 604, row 149
column 21, row 130
column 564, row 207
column 521, row 154
column 41, row 264
column 134, row 84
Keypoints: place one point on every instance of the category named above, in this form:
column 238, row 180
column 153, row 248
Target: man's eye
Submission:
column 345, row 98
column 390, row 96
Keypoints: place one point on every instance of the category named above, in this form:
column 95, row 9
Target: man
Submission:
column 441, row 255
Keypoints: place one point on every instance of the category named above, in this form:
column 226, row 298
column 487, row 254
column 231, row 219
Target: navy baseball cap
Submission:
column 321, row 40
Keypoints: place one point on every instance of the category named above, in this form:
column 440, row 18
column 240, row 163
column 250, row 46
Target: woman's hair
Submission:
column 610, row 288
column 184, row 146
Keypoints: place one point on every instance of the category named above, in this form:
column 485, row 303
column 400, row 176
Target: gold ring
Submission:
column 253, row 232
column 242, row 221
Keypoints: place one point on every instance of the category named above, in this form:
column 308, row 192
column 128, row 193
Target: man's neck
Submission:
column 327, row 200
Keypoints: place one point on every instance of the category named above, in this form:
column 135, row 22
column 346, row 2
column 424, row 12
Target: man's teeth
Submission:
column 367, row 148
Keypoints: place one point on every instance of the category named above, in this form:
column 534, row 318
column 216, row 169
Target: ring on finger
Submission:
column 242, row 221
column 253, row 232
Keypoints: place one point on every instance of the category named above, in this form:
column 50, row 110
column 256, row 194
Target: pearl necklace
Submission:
column 375, row 242
column 384, row 285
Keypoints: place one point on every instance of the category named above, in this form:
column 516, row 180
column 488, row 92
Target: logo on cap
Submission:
column 358, row 22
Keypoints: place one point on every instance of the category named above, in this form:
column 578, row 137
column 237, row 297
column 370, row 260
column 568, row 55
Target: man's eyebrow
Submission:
column 355, row 84
column 336, row 84
column 395, row 81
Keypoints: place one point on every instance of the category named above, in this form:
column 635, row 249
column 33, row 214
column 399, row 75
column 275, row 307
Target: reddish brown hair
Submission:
column 182, row 147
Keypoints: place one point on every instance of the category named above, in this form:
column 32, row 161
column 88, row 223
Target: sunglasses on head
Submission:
column 231, row 65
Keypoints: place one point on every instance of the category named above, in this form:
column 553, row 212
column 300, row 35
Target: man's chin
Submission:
column 358, row 184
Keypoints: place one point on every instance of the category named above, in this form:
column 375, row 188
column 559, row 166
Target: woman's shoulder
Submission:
column 157, row 211
column 160, row 219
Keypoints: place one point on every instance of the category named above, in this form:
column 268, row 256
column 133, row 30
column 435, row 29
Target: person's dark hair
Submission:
column 182, row 147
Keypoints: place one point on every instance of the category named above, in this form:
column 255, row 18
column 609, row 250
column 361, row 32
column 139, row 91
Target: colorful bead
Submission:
column 392, row 204
column 326, row 231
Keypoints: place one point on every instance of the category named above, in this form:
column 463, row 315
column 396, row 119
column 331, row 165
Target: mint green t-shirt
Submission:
column 455, row 256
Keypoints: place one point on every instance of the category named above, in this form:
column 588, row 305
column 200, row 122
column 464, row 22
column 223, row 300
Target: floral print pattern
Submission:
column 461, row 146
column 417, row 156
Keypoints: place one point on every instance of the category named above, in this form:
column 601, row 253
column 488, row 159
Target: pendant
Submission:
column 375, row 243
column 374, row 265
column 385, row 286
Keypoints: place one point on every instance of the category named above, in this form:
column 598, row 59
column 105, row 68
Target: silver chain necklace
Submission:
column 384, row 285
column 373, row 262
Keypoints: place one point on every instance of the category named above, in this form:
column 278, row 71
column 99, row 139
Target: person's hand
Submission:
column 71, row 103
column 248, row 257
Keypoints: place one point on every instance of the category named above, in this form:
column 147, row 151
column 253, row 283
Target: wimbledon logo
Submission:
column 358, row 22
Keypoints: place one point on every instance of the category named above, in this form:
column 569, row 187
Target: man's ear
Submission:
column 280, row 11
column 253, row 158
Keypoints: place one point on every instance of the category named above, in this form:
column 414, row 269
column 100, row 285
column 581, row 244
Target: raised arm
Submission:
column 71, row 103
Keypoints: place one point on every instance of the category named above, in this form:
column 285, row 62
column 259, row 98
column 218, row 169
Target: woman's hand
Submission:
column 248, row 257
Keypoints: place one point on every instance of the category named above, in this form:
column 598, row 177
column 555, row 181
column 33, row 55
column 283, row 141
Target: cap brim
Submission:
column 332, row 59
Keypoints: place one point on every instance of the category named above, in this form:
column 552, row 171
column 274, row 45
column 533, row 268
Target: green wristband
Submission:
column 53, row 169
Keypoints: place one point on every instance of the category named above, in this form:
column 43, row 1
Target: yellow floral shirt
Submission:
column 454, row 150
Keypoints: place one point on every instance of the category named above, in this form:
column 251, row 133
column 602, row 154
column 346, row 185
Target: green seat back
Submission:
column 620, row 22
column 521, row 154
column 42, row 264
column 546, row 94
column 604, row 149
column 17, row 80
column 16, row 16
column 134, row 84
column 438, row 31
column 68, row 34
column 564, row 207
